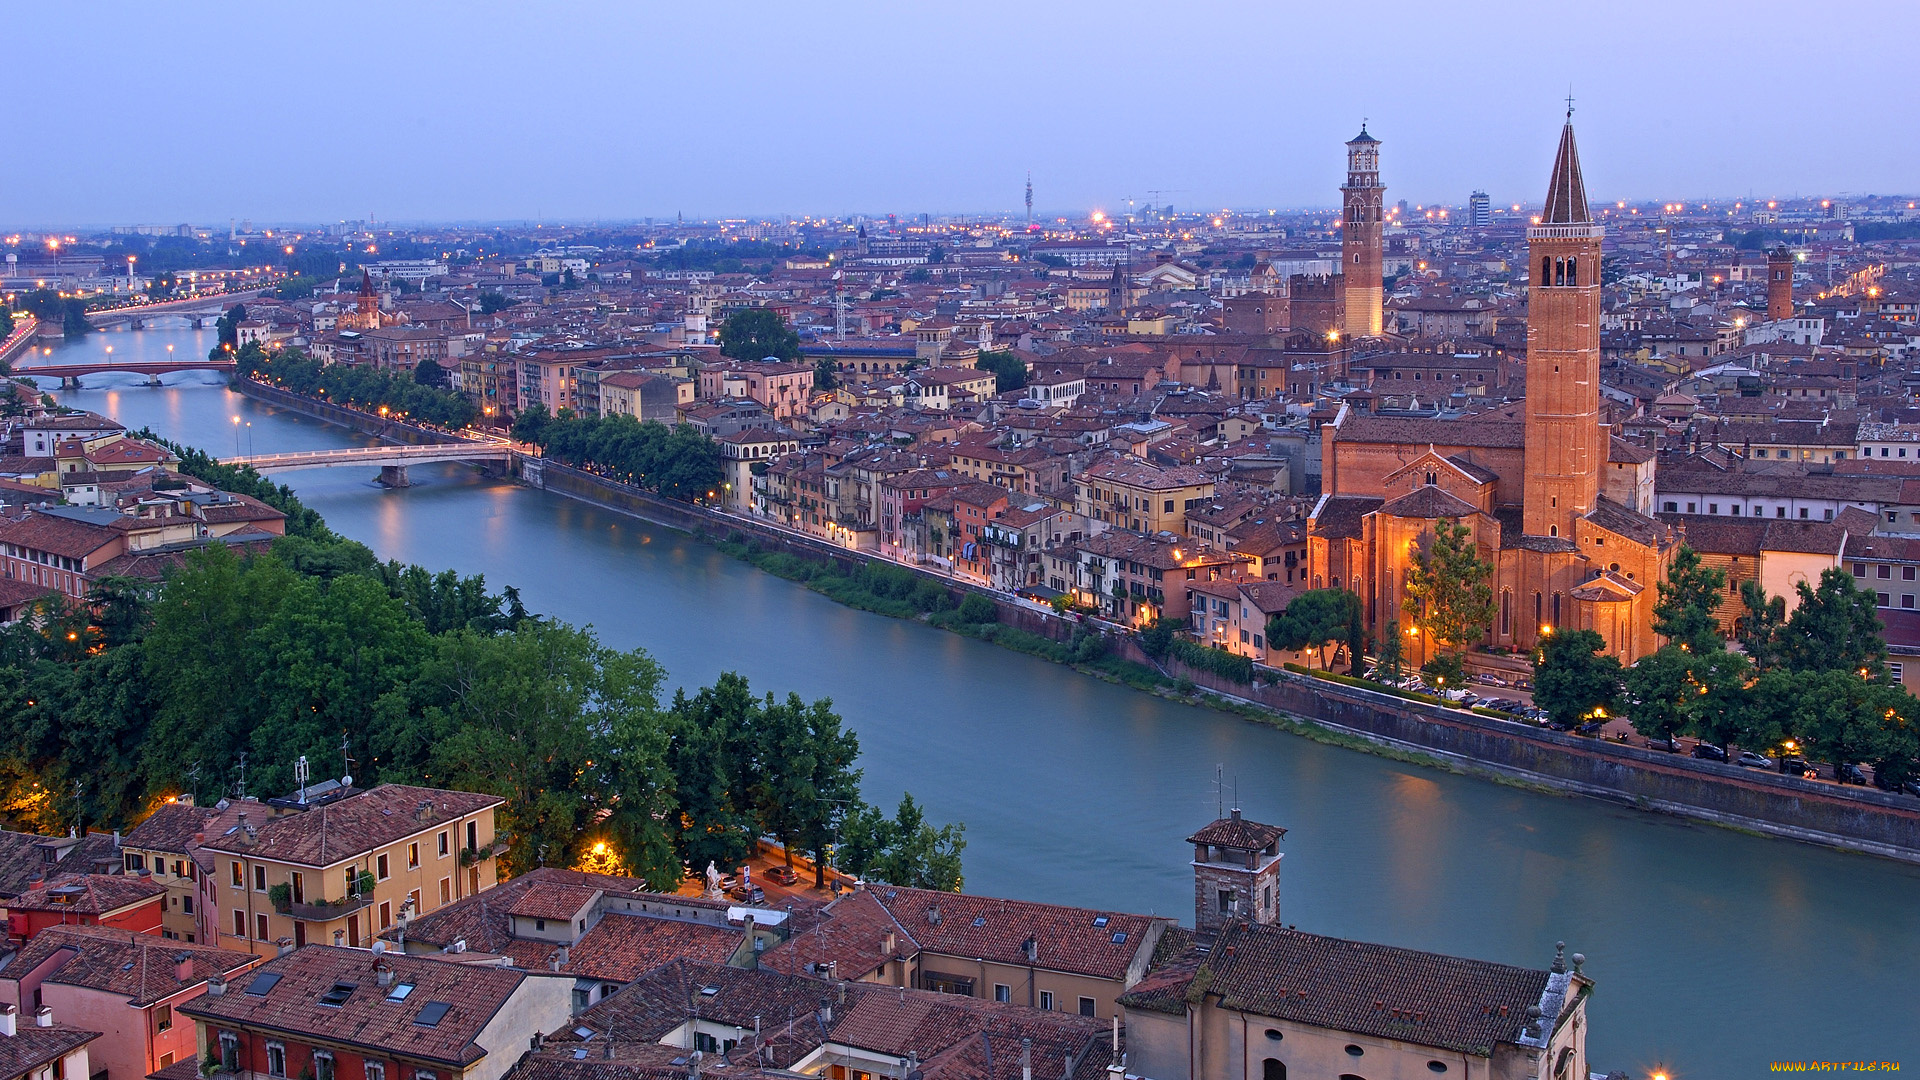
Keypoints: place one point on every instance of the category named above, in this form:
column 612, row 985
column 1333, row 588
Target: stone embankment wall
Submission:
column 381, row 427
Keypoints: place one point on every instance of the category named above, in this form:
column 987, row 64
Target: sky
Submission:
column 292, row 113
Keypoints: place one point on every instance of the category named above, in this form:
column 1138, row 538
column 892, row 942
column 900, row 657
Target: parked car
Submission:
column 748, row 894
column 1754, row 761
column 1850, row 774
column 783, row 875
column 1591, row 727
column 1912, row 787
column 1706, row 751
column 1795, row 766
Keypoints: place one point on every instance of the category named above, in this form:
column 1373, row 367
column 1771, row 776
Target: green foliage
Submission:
column 493, row 301
column 678, row 463
column 1835, row 627
column 1759, row 626
column 1444, row 670
column 904, row 850
column 758, row 334
column 1156, row 639
column 1392, row 656
column 73, row 318
column 1009, row 371
column 826, row 375
column 227, row 328
column 1571, row 677
column 1315, row 619
column 1449, row 592
column 1218, row 661
column 6, row 322
column 431, row 373
column 1688, row 601
column 367, row 388
column 977, row 609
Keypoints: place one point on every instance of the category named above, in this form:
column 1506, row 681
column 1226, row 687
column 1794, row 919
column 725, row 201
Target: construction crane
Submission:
column 1155, row 194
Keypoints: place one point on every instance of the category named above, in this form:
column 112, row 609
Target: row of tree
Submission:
column 1816, row 678
column 401, row 394
column 678, row 462
column 237, row 665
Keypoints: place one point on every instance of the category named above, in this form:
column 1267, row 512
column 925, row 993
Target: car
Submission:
column 1795, row 766
column 1911, row 787
column 783, row 875
column 1706, row 751
column 748, row 894
column 1754, row 761
column 1591, row 727
column 1850, row 774
column 1670, row 745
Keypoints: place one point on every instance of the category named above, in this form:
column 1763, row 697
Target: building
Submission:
column 42, row 1050
column 1133, row 493
column 1479, row 210
column 1361, row 252
column 643, row 396
column 1236, row 874
column 349, row 1014
column 1779, row 284
column 124, row 984
column 162, row 847
column 128, row 904
column 1560, row 507
column 343, row 869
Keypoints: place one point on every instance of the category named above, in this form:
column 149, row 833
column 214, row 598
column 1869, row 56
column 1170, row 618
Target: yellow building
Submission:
column 1132, row 493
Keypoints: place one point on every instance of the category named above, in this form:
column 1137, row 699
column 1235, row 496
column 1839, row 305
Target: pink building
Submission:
column 785, row 389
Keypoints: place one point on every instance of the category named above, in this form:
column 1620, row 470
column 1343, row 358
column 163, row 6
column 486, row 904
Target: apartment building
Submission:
column 344, row 869
column 1132, row 493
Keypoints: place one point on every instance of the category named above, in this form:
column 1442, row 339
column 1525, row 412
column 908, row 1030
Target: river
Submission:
column 1715, row 952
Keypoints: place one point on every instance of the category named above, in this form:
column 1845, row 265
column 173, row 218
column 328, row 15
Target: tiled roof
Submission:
column 621, row 948
column 88, row 894
column 1567, row 190
column 1338, row 516
column 1085, row 941
column 1238, row 833
column 32, row 1046
column 1429, row 501
column 140, row 967
column 849, row 933
column 171, row 828
column 481, row 918
column 552, row 900
column 334, row 832
column 1445, row 1002
column 366, row 1017
column 1626, row 521
column 1417, row 431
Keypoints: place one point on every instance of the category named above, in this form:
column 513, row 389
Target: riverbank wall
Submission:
column 380, row 427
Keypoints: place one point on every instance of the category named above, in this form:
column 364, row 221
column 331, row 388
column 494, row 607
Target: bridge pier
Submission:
column 153, row 380
column 394, row 476
column 69, row 382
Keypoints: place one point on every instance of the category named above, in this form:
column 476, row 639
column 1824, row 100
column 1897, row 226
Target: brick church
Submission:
column 1561, row 507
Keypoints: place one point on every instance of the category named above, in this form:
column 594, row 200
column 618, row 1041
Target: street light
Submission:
column 236, row 436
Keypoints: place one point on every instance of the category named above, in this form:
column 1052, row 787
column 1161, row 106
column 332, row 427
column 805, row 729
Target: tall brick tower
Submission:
column 1360, row 241
column 1779, row 283
column 1566, row 446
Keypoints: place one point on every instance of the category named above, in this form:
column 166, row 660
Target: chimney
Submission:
column 1026, row 1059
column 8, row 1017
column 562, row 957
column 216, row 985
column 826, row 1011
column 43, row 1016
column 183, row 967
column 382, row 973
column 339, row 938
column 283, row 946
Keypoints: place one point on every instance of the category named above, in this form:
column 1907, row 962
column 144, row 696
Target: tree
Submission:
column 1689, row 600
column 1836, row 715
column 73, row 318
column 120, row 609
column 1660, row 692
column 905, row 850
column 6, row 322
column 1009, row 371
column 1572, row 679
column 1759, row 628
column 227, row 327
column 1724, row 711
column 530, row 425
column 1449, row 593
column 430, row 373
column 1391, row 656
column 1313, row 620
column 1154, row 640
column 1835, row 627
column 826, row 373
column 492, row 301
column 758, row 334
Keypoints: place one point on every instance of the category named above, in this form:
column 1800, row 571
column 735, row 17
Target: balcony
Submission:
column 326, row 911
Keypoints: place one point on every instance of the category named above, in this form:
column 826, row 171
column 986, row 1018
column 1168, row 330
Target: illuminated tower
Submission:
column 1566, row 446
column 1360, row 240
column 367, row 304
column 1779, row 283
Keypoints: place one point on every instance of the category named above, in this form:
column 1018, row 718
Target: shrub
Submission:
column 978, row 609
column 1218, row 661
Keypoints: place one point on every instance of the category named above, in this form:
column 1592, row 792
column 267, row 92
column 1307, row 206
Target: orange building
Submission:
column 1561, row 508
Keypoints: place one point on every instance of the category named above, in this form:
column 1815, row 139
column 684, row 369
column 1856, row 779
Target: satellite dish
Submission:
column 379, row 946
column 346, row 781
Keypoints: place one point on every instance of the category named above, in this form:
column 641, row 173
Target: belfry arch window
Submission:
column 1546, row 270
column 1573, row 271
column 1559, row 271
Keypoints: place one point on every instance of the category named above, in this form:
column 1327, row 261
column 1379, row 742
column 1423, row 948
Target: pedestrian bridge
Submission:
column 391, row 460
column 69, row 374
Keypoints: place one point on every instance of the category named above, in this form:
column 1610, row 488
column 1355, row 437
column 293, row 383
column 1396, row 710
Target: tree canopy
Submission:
column 1315, row 619
column 1572, row 678
column 1689, row 601
column 1449, row 592
column 678, row 463
column 402, row 394
column 758, row 334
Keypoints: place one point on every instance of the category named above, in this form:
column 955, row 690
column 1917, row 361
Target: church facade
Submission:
column 1560, row 507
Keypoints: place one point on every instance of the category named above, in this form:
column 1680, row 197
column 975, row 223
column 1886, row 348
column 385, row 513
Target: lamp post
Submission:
column 236, row 436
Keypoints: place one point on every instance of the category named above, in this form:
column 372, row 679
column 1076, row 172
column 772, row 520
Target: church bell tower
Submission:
column 1566, row 446
column 1362, row 198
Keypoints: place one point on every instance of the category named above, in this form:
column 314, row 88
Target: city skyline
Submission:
column 618, row 116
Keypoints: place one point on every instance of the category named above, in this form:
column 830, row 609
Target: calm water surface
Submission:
column 1715, row 952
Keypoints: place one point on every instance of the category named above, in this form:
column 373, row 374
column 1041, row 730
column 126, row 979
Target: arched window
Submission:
column 1553, row 530
column 1573, row 271
column 1273, row 1069
column 1559, row 271
column 1546, row 271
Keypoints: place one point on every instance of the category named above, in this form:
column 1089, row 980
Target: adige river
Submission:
column 1715, row 953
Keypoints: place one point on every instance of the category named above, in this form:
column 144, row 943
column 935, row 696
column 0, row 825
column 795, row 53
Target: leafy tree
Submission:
column 6, row 322
column 1836, row 715
column 758, row 334
column 364, row 388
column 906, row 849
column 1313, row 620
column 1760, row 624
column 1724, row 711
column 1571, row 678
column 1444, row 670
column 826, row 374
column 227, row 327
column 492, row 301
column 1835, row 627
column 1009, row 371
column 73, row 318
column 1449, row 593
column 121, row 609
column 1154, row 640
column 44, row 304
column 1392, row 656
column 710, row 751
column 430, row 373
column 1689, row 600
column 1660, row 692
column 531, row 423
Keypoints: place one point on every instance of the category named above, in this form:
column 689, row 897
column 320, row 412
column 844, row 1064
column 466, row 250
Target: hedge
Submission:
column 1218, row 661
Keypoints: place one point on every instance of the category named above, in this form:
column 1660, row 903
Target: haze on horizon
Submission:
column 304, row 113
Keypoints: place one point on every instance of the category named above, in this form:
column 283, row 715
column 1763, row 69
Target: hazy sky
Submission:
column 302, row 112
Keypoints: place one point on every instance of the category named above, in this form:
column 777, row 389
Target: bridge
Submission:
column 196, row 309
column 392, row 460
column 69, row 374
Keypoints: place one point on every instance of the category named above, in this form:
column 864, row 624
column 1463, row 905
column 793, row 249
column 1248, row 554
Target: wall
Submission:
column 390, row 430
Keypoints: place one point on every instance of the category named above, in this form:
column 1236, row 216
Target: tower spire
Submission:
column 1567, row 191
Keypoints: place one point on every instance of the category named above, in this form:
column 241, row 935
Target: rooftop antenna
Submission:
column 300, row 773
column 240, row 785
column 1219, row 789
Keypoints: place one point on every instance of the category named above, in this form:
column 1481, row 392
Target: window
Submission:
column 413, row 856
column 1273, row 1068
column 1226, row 901
column 380, row 868
column 239, row 876
column 135, row 861
column 1086, row 1006
column 1046, row 1000
column 166, row 1059
column 446, row 890
column 1884, row 599
column 1883, row 571
column 260, row 926
column 1003, row 992
column 473, row 835
column 1906, row 573
column 239, row 923
column 229, row 1051
column 276, row 1059
column 259, row 878
column 444, row 844
column 376, row 1071
column 163, row 1018
column 322, row 1065
column 386, row 914
column 1894, row 670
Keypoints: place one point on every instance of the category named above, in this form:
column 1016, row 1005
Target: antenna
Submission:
column 300, row 773
column 1219, row 807
column 240, row 785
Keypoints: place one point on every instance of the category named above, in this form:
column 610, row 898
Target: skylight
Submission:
column 338, row 996
column 400, row 991
column 979, row 920
column 1119, row 937
column 1099, row 922
column 432, row 1013
column 263, row 982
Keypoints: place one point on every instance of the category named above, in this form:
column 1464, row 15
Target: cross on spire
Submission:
column 1569, row 102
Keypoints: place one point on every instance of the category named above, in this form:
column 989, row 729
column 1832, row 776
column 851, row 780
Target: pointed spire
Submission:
column 1567, row 191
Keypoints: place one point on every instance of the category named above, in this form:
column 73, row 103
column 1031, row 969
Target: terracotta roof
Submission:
column 140, row 967
column 88, row 894
column 1626, row 521
column 1417, row 431
column 552, row 900
column 1567, row 190
column 334, row 832
column 1338, row 516
column 1085, row 941
column 481, row 918
column 470, row 996
column 849, row 933
column 1238, row 833
column 1446, row 1002
column 1429, row 501
column 172, row 828
column 621, row 947
column 32, row 1046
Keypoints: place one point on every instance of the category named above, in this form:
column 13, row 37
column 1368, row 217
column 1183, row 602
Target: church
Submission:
column 1561, row 507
